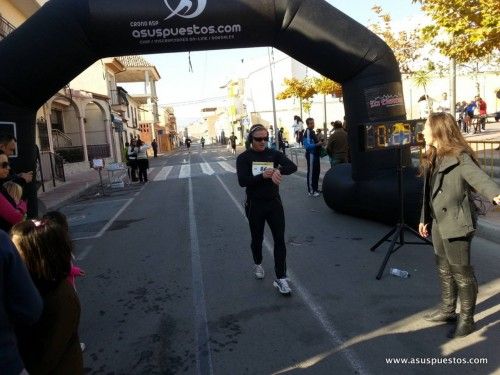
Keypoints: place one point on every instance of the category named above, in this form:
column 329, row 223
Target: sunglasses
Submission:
column 260, row 139
column 4, row 164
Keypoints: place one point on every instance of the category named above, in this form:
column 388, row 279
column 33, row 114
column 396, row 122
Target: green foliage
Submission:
column 326, row 86
column 302, row 89
column 406, row 45
column 463, row 29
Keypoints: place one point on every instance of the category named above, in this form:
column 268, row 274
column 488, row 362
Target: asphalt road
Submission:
column 170, row 288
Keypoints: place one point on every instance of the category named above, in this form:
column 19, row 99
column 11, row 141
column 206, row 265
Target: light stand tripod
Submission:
column 400, row 227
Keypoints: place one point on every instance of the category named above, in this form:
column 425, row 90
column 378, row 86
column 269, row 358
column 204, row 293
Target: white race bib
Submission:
column 259, row 167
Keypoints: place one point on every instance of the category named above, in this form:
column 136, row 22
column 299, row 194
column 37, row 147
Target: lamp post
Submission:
column 275, row 125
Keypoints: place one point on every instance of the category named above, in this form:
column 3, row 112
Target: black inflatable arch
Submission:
column 66, row 36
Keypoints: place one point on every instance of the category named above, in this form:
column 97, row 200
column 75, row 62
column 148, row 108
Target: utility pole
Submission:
column 453, row 87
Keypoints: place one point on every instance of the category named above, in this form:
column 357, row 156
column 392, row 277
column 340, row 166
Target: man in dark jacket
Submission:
column 260, row 170
column 20, row 305
column 337, row 145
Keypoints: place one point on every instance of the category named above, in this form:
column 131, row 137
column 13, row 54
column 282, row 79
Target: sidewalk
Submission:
column 76, row 184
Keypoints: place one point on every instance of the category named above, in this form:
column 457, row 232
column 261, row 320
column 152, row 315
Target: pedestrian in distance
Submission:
column 232, row 141
column 142, row 161
column 202, row 140
column 451, row 173
column 132, row 159
column 154, row 145
column 52, row 345
column 313, row 150
column 188, row 144
column 20, row 305
column 482, row 112
column 260, row 170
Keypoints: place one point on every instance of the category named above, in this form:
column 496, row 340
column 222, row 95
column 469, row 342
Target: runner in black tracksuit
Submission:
column 260, row 170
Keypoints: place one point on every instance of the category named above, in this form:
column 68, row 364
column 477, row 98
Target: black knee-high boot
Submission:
column 446, row 310
column 467, row 292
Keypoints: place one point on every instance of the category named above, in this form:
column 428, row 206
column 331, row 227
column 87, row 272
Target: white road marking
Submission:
column 84, row 253
column 185, row 171
column 203, row 352
column 112, row 220
column 206, row 168
column 318, row 312
column 163, row 174
column 227, row 166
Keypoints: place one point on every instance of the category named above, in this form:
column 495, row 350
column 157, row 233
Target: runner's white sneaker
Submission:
column 282, row 286
column 259, row 271
column 315, row 194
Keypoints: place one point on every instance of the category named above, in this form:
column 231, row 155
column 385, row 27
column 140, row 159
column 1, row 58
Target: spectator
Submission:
column 52, row 345
column 142, row 161
column 313, row 149
column 337, row 147
column 8, row 146
column 298, row 129
column 481, row 105
column 11, row 212
column 154, row 145
column 20, row 305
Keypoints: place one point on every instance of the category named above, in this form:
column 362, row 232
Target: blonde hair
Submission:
column 448, row 141
column 14, row 190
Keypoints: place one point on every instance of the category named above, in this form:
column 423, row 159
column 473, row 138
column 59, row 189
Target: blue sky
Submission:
column 179, row 85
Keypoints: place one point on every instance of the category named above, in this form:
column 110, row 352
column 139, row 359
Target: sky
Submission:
column 187, row 91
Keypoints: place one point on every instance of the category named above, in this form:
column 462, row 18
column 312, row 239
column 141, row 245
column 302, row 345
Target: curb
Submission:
column 72, row 194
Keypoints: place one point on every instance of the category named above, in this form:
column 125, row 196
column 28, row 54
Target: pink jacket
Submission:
column 10, row 213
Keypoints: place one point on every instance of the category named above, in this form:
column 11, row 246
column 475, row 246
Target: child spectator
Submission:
column 52, row 345
column 60, row 219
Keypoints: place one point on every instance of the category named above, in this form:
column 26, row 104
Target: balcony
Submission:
column 119, row 100
column 5, row 28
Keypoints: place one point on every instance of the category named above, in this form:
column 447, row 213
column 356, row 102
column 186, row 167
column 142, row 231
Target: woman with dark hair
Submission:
column 451, row 173
column 11, row 212
column 52, row 345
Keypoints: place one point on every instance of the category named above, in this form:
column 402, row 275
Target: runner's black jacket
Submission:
column 257, row 186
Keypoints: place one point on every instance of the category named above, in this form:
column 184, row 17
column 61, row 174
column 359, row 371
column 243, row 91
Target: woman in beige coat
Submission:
column 451, row 173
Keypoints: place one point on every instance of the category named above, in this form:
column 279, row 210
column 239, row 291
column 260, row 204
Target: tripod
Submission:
column 399, row 230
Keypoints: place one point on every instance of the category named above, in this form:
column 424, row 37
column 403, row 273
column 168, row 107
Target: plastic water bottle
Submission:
column 399, row 273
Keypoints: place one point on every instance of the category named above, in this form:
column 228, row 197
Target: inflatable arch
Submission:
column 66, row 36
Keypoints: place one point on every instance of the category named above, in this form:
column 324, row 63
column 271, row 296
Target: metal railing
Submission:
column 50, row 167
column 5, row 28
column 118, row 97
column 60, row 139
column 487, row 152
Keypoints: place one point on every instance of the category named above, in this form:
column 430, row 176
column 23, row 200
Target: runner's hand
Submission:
column 276, row 178
column 422, row 230
column 268, row 173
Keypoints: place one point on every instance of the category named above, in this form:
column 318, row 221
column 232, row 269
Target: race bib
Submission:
column 260, row 166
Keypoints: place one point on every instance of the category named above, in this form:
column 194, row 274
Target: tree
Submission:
column 326, row 86
column 406, row 45
column 422, row 79
column 302, row 89
column 471, row 27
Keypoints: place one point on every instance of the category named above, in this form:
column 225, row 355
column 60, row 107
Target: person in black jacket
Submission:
column 260, row 170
